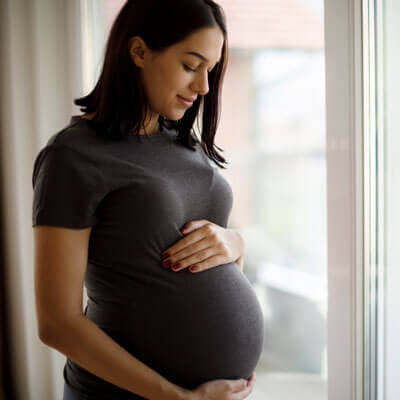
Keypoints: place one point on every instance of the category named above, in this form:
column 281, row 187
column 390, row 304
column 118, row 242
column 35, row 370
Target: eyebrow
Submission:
column 193, row 53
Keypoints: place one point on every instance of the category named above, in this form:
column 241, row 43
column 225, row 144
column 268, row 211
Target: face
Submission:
column 176, row 73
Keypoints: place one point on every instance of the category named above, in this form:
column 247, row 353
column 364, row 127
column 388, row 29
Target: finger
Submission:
column 198, row 258
column 194, row 224
column 238, row 385
column 192, row 254
column 181, row 244
column 243, row 393
column 252, row 377
column 213, row 261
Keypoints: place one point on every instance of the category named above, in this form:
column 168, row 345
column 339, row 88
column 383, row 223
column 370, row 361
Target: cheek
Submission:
column 152, row 84
column 159, row 89
column 178, row 78
column 175, row 85
column 167, row 83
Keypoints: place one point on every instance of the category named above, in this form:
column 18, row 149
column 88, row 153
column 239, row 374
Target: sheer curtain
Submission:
column 40, row 74
column 41, row 55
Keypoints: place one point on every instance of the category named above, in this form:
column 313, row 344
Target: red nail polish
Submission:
column 193, row 268
column 166, row 263
column 176, row 266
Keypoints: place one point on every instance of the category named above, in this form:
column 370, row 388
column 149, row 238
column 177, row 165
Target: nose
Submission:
column 201, row 83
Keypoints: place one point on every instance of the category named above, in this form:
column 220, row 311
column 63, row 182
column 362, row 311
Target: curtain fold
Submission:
column 40, row 75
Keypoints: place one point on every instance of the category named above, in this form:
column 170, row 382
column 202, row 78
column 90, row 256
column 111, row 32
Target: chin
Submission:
column 176, row 116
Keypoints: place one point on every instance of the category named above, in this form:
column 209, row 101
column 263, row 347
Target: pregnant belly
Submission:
column 208, row 326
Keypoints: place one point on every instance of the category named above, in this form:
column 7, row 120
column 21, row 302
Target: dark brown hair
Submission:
column 118, row 98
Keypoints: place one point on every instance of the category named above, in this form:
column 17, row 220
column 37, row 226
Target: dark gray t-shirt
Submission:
column 189, row 327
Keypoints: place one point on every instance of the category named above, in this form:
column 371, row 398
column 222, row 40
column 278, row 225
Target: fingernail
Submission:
column 193, row 268
column 176, row 266
column 166, row 263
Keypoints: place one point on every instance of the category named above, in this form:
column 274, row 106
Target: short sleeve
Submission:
column 67, row 188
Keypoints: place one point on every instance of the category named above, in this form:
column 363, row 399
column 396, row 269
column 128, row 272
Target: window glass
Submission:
column 272, row 130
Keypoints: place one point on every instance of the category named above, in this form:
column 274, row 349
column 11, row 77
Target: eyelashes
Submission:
column 190, row 69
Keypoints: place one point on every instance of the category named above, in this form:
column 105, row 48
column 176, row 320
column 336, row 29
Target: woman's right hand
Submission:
column 223, row 389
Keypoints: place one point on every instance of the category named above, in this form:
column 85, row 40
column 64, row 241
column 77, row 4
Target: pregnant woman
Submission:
column 128, row 201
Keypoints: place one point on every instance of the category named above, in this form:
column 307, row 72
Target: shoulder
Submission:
column 73, row 148
column 78, row 135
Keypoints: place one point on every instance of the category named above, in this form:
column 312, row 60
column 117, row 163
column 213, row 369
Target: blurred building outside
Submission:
column 272, row 131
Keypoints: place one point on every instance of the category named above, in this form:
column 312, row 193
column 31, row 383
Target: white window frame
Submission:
column 345, row 194
column 347, row 240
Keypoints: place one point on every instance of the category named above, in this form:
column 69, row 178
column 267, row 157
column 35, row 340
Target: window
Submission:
column 273, row 132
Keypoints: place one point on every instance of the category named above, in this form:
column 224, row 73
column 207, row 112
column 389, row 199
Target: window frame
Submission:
column 345, row 196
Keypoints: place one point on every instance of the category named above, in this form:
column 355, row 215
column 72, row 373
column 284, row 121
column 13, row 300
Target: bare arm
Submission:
column 84, row 342
column 60, row 264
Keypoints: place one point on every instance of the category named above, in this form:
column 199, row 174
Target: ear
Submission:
column 137, row 50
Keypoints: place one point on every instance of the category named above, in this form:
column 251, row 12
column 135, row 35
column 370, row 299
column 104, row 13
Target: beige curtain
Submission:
column 40, row 74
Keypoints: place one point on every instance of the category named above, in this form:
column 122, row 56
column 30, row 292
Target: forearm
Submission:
column 90, row 347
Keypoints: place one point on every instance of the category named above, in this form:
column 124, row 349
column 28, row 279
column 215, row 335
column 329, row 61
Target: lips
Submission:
column 190, row 99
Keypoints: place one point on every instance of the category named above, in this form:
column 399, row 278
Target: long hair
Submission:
column 118, row 98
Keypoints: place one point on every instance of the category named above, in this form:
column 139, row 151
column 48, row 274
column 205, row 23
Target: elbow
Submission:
column 48, row 333
column 54, row 334
column 44, row 334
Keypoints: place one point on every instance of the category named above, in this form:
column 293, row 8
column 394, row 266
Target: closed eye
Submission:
column 192, row 70
column 189, row 69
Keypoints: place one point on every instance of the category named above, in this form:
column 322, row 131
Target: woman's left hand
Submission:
column 205, row 245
